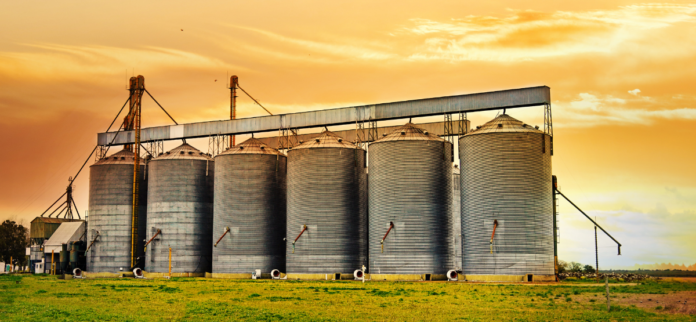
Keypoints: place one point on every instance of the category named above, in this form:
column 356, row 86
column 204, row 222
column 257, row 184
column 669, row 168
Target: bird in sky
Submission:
column 182, row 29
column 216, row 80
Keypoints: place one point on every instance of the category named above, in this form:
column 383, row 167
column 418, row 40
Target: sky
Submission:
column 621, row 74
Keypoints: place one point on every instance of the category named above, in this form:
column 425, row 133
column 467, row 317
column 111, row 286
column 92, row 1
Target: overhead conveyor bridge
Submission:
column 505, row 99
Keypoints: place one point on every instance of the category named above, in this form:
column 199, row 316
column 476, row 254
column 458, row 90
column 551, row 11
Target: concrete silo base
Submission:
column 406, row 277
column 509, row 278
column 241, row 276
column 164, row 275
column 107, row 274
column 320, row 277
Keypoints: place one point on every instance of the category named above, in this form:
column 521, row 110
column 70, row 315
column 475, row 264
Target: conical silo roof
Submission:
column 504, row 123
column 409, row 132
column 121, row 157
column 251, row 146
column 327, row 139
column 184, row 152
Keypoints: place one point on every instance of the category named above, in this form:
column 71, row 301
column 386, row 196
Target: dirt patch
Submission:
column 680, row 279
column 675, row 303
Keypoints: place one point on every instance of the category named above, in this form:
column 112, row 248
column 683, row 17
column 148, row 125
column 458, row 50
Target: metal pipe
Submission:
column 495, row 225
column 137, row 89
column 304, row 227
column 54, row 203
column 92, row 243
column 153, row 238
column 257, row 102
column 59, row 207
column 391, row 225
column 588, row 217
column 233, row 104
column 227, row 230
column 158, row 104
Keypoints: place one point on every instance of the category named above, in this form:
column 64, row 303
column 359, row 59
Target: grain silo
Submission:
column 249, row 211
column 180, row 211
column 327, row 207
column 411, row 197
column 456, row 217
column 506, row 189
column 110, row 213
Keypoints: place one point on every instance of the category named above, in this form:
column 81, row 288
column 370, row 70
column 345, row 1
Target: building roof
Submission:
column 184, row 152
column 409, row 132
column 251, row 146
column 51, row 220
column 67, row 232
column 504, row 123
column 121, row 157
column 327, row 139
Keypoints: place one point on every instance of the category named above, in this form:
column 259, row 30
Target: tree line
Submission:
column 574, row 267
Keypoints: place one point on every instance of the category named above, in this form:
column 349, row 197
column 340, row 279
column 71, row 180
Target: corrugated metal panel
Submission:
column 250, row 200
column 110, row 212
column 180, row 204
column 349, row 115
column 506, row 176
column 411, row 186
column 44, row 227
column 67, row 232
column 327, row 192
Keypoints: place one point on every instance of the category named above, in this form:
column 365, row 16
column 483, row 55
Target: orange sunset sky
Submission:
column 622, row 77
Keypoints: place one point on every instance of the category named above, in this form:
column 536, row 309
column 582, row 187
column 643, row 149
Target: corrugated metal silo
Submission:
column 110, row 213
column 327, row 193
column 411, row 187
column 250, row 202
column 180, row 206
column 506, row 178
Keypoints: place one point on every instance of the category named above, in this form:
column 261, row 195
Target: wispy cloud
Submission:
column 56, row 61
column 634, row 92
column 592, row 110
column 357, row 51
column 528, row 35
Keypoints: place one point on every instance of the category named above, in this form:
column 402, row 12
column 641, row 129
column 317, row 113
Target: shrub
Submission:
column 588, row 269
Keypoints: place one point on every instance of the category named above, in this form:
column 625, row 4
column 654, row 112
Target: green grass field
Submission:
column 45, row 298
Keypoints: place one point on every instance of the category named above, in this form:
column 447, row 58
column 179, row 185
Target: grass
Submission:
column 45, row 298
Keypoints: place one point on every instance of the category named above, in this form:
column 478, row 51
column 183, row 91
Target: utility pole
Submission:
column 233, row 103
column 596, row 252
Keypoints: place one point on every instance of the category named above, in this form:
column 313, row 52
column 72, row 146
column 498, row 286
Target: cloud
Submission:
column 634, row 92
column 663, row 237
column 529, row 35
column 50, row 61
column 87, row 75
column 592, row 110
column 338, row 48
